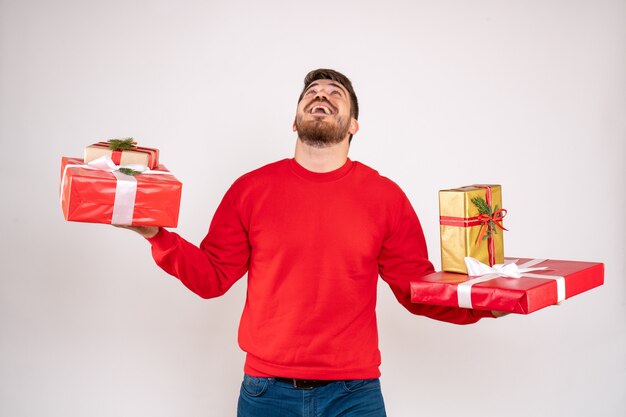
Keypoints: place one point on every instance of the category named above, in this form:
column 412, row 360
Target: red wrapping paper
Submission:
column 515, row 295
column 88, row 196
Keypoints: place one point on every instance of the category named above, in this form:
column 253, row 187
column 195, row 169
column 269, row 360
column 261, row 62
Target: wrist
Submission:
column 150, row 231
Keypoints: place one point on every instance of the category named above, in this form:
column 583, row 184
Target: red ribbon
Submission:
column 116, row 157
column 496, row 217
column 459, row 221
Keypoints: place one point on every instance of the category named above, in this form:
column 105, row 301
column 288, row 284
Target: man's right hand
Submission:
column 145, row 231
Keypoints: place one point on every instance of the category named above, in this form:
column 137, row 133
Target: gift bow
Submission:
column 496, row 218
column 125, row 187
column 482, row 272
column 105, row 163
column 475, row 268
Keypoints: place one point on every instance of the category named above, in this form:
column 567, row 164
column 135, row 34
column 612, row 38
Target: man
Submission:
column 313, row 233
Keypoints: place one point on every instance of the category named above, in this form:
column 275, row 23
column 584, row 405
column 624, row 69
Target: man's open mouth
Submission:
column 321, row 109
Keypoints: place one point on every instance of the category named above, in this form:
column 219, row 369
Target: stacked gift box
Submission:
column 475, row 273
column 118, row 182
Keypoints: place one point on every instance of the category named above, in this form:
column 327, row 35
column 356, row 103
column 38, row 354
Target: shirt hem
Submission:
column 259, row 368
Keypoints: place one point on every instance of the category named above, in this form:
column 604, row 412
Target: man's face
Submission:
column 323, row 116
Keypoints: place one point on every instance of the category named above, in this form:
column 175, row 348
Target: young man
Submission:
column 313, row 233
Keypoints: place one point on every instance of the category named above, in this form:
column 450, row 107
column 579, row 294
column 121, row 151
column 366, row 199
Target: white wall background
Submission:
column 530, row 94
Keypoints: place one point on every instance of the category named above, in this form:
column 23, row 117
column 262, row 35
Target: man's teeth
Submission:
column 323, row 108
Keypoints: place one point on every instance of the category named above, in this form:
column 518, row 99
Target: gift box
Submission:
column 554, row 282
column 470, row 220
column 123, row 152
column 99, row 192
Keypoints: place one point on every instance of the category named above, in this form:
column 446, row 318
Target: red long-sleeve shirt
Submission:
column 313, row 245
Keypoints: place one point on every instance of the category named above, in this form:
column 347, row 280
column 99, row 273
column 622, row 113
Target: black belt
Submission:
column 304, row 383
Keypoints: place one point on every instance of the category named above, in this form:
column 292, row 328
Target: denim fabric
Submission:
column 266, row 397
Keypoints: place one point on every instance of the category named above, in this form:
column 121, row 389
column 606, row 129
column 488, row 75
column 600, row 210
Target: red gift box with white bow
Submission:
column 101, row 192
column 539, row 283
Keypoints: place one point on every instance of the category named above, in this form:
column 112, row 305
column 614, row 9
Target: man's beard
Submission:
column 320, row 133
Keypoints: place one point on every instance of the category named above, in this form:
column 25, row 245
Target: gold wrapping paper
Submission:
column 457, row 242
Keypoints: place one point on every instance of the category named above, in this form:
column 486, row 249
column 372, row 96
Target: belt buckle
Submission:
column 302, row 384
column 306, row 384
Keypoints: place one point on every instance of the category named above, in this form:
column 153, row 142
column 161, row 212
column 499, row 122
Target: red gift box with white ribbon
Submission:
column 99, row 192
column 539, row 283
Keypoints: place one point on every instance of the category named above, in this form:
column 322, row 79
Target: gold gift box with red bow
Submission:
column 470, row 221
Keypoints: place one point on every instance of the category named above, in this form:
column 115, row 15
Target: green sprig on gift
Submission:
column 122, row 144
column 129, row 171
column 484, row 208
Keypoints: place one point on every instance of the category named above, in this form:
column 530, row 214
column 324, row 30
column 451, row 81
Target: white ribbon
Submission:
column 124, row 203
column 509, row 269
column 125, row 188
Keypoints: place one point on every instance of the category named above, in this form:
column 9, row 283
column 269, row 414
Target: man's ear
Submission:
column 295, row 127
column 354, row 126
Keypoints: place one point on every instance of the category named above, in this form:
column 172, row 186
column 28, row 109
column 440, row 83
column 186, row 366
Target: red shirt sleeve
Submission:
column 222, row 258
column 404, row 258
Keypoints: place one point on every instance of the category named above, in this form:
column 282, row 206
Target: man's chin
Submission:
column 320, row 138
column 320, row 144
column 320, row 134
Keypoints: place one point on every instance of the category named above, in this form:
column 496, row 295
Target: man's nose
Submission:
column 321, row 95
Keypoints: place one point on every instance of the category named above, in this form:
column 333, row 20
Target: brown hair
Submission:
column 329, row 74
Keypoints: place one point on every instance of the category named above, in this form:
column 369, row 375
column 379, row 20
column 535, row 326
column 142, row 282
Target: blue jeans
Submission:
column 266, row 397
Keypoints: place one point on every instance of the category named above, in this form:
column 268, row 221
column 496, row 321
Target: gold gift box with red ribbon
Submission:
column 126, row 154
column 466, row 230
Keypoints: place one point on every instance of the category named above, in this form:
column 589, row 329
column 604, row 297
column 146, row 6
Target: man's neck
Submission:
column 322, row 159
